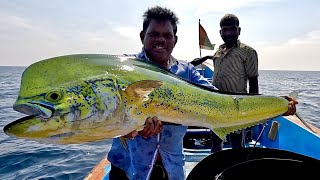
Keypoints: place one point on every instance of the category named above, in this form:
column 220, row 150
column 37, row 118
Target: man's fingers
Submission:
column 131, row 135
column 291, row 100
column 157, row 125
column 291, row 108
column 149, row 127
column 152, row 127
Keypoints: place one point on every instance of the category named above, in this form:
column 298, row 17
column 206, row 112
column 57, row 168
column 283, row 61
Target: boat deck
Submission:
column 98, row 172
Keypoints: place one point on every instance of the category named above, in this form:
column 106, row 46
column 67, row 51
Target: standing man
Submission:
column 235, row 65
column 156, row 152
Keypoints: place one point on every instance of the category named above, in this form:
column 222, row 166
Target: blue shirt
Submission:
column 137, row 160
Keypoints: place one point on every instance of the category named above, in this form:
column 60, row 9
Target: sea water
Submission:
column 25, row 159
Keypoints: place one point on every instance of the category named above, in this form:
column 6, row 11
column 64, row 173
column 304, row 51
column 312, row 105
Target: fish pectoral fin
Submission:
column 142, row 89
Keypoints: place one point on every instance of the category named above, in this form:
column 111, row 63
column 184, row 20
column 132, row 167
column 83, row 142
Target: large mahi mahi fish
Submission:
column 90, row 97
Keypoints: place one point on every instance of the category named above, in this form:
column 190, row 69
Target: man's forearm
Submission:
column 253, row 85
column 198, row 61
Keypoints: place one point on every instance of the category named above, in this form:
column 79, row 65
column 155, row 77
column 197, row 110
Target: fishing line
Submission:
column 255, row 144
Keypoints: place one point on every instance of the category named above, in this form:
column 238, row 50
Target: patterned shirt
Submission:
column 137, row 160
column 232, row 68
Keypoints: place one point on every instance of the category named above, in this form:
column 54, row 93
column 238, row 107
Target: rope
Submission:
column 154, row 158
column 255, row 144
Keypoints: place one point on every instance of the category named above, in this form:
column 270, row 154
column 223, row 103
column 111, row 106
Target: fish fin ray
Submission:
column 224, row 131
column 220, row 133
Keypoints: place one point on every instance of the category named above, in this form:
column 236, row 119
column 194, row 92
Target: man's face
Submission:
column 230, row 34
column 159, row 40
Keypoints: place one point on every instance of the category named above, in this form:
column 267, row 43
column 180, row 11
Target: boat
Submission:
column 286, row 144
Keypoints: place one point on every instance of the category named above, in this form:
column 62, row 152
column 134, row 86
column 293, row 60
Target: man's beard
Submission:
column 230, row 41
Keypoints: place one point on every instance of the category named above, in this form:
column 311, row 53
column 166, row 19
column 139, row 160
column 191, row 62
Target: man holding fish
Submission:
column 145, row 103
column 156, row 152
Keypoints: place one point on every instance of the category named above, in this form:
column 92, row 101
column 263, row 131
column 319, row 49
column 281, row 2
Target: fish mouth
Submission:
column 34, row 128
column 30, row 127
column 34, row 109
column 8, row 128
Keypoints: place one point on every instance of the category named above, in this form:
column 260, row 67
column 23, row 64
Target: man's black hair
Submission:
column 229, row 20
column 160, row 14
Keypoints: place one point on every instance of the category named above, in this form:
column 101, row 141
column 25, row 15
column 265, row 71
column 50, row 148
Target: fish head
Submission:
column 45, row 105
column 69, row 107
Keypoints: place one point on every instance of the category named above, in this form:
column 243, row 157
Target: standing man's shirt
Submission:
column 136, row 160
column 232, row 68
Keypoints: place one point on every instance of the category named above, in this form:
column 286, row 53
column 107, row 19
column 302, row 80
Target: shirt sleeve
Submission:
column 197, row 78
column 251, row 64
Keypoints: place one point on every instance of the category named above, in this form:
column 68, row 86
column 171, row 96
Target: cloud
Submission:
column 16, row 21
column 296, row 53
column 207, row 6
column 299, row 53
column 90, row 36
column 128, row 32
column 24, row 28
column 310, row 38
column 27, row 34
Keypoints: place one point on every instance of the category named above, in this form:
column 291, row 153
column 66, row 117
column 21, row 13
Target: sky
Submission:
column 285, row 33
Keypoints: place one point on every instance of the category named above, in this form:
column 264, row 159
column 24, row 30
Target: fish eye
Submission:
column 54, row 96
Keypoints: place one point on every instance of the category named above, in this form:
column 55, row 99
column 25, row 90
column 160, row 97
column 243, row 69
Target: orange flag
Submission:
column 204, row 41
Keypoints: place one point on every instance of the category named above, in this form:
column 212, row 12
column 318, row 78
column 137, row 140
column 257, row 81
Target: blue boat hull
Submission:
column 290, row 136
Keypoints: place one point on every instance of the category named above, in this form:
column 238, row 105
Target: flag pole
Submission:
column 199, row 39
column 202, row 70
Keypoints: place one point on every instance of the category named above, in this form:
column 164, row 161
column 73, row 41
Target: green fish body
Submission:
column 90, row 97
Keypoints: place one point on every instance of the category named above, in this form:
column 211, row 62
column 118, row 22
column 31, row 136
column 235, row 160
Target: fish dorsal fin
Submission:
column 141, row 89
